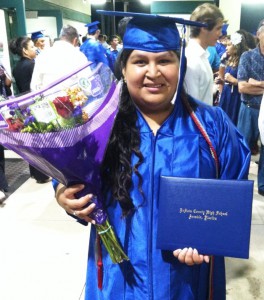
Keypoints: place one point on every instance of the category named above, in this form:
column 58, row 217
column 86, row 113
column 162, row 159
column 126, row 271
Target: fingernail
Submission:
column 207, row 259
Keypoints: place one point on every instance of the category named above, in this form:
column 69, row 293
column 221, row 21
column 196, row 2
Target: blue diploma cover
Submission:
column 211, row 215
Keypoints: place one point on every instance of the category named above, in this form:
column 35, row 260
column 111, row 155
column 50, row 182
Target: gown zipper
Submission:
column 150, row 258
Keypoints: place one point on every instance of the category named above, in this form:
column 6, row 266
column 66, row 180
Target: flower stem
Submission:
column 110, row 242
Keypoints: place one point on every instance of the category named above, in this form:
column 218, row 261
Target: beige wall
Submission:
column 231, row 11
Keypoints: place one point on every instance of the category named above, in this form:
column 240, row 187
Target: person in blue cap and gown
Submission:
column 221, row 44
column 93, row 50
column 38, row 39
column 159, row 130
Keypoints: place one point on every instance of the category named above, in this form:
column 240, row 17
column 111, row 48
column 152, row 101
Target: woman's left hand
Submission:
column 190, row 256
column 230, row 79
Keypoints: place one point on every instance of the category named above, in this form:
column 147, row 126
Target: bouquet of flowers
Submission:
column 63, row 130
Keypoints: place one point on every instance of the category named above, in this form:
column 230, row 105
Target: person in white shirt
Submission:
column 199, row 81
column 59, row 60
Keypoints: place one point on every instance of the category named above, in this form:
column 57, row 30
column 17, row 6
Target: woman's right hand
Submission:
column 78, row 207
column 218, row 80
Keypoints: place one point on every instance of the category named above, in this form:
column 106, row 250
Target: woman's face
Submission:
column 230, row 49
column 30, row 51
column 152, row 79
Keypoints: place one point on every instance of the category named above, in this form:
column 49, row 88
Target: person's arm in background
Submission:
column 8, row 82
column 220, row 80
column 8, row 79
column 101, row 55
column 251, row 87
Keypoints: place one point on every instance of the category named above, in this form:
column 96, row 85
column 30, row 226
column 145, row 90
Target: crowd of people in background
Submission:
column 240, row 87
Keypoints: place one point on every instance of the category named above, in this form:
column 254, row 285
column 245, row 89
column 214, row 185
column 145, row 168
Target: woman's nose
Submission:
column 152, row 71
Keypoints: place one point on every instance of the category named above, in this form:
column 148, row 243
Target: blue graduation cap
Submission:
column 155, row 33
column 224, row 29
column 92, row 27
column 36, row 35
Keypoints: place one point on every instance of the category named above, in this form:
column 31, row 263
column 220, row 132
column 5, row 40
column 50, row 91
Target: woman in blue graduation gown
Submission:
column 230, row 99
column 92, row 49
column 159, row 130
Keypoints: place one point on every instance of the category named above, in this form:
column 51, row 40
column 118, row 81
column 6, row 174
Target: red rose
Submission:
column 63, row 106
column 14, row 124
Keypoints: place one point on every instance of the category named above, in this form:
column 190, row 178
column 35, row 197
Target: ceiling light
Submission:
column 146, row 2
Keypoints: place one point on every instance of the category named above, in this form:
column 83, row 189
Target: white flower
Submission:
column 236, row 38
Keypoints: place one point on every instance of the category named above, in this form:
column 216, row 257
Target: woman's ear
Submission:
column 124, row 73
column 24, row 51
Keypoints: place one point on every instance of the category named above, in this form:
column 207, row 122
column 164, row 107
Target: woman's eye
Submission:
column 164, row 61
column 140, row 62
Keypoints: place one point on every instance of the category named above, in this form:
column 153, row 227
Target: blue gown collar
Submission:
column 168, row 125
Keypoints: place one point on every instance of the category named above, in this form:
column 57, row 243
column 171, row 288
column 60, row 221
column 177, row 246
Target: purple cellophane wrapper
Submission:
column 74, row 155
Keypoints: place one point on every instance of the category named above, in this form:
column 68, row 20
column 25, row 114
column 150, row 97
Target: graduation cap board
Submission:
column 92, row 27
column 37, row 34
column 224, row 29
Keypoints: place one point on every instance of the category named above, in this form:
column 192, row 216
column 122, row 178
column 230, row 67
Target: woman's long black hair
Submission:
column 124, row 142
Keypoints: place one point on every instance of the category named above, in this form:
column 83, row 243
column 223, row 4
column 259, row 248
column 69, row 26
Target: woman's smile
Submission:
column 154, row 88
